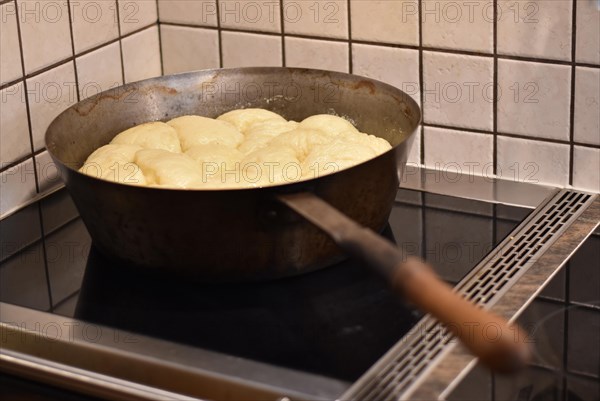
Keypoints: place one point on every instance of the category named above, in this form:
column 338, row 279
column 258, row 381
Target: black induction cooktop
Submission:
column 335, row 322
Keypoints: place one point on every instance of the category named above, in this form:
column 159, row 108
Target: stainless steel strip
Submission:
column 410, row 362
column 150, row 362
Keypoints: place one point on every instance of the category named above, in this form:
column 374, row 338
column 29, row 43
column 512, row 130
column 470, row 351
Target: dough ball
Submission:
column 334, row 156
column 213, row 159
column 302, row 140
column 244, row 119
column 260, row 134
column 379, row 145
column 271, row 165
column 197, row 130
column 327, row 123
column 115, row 162
column 167, row 169
column 154, row 135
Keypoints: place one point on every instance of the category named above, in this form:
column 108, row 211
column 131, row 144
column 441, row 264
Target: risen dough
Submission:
column 155, row 135
column 239, row 149
column 114, row 162
column 244, row 119
column 169, row 169
column 197, row 130
column 329, row 124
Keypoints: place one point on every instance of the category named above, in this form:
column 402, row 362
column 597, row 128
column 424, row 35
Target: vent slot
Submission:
column 484, row 285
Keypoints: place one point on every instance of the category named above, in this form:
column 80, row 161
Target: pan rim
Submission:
column 217, row 71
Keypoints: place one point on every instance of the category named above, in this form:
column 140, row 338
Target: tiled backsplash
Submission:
column 508, row 88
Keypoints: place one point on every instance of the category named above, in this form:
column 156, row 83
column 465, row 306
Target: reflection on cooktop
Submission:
column 337, row 321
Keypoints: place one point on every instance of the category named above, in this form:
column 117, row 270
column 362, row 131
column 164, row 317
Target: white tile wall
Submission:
column 535, row 99
column 458, row 151
column 320, row 54
column 535, row 28
column 458, row 25
column 10, row 63
column 94, row 22
column 45, row 33
column 68, row 53
column 141, row 55
column 395, row 66
column 458, row 90
column 251, row 50
column 14, row 131
column 385, row 21
column 316, row 18
column 451, row 50
column 251, row 15
column 188, row 49
column 533, row 161
column 587, row 105
column 99, row 70
column 49, row 94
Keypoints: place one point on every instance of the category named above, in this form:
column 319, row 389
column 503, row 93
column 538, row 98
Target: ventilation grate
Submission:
column 494, row 275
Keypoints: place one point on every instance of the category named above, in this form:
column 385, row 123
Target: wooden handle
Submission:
column 498, row 344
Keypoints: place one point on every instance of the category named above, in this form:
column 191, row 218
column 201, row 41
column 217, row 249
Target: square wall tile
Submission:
column 458, row 151
column 397, row 67
column 262, row 16
column 581, row 388
column 10, row 62
column 584, row 274
column 385, row 21
column 414, row 154
column 141, row 55
column 14, row 129
column 188, row 49
column 45, row 33
column 458, row 90
column 94, row 22
column 586, row 168
column 544, row 323
column 535, row 28
column 533, row 162
column 534, row 99
column 320, row 54
column 99, row 70
column 136, row 14
column 316, row 18
column 198, row 12
column 250, row 50
column 587, row 105
column 18, row 186
column 475, row 386
column 458, row 25
column 588, row 32
column 48, row 175
column 49, row 94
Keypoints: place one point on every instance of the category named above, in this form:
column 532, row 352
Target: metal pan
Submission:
column 253, row 234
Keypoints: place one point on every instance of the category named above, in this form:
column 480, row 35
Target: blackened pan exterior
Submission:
column 231, row 235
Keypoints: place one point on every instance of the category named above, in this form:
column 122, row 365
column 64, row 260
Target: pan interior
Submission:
column 373, row 107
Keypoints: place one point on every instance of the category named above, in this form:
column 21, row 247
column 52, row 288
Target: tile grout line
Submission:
column 70, row 58
column 73, row 49
column 572, row 98
column 349, row 18
column 160, row 50
column 120, row 39
column 496, row 83
column 282, row 22
column 219, row 33
column 421, row 87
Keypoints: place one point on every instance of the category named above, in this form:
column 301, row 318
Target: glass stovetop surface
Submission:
column 335, row 322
